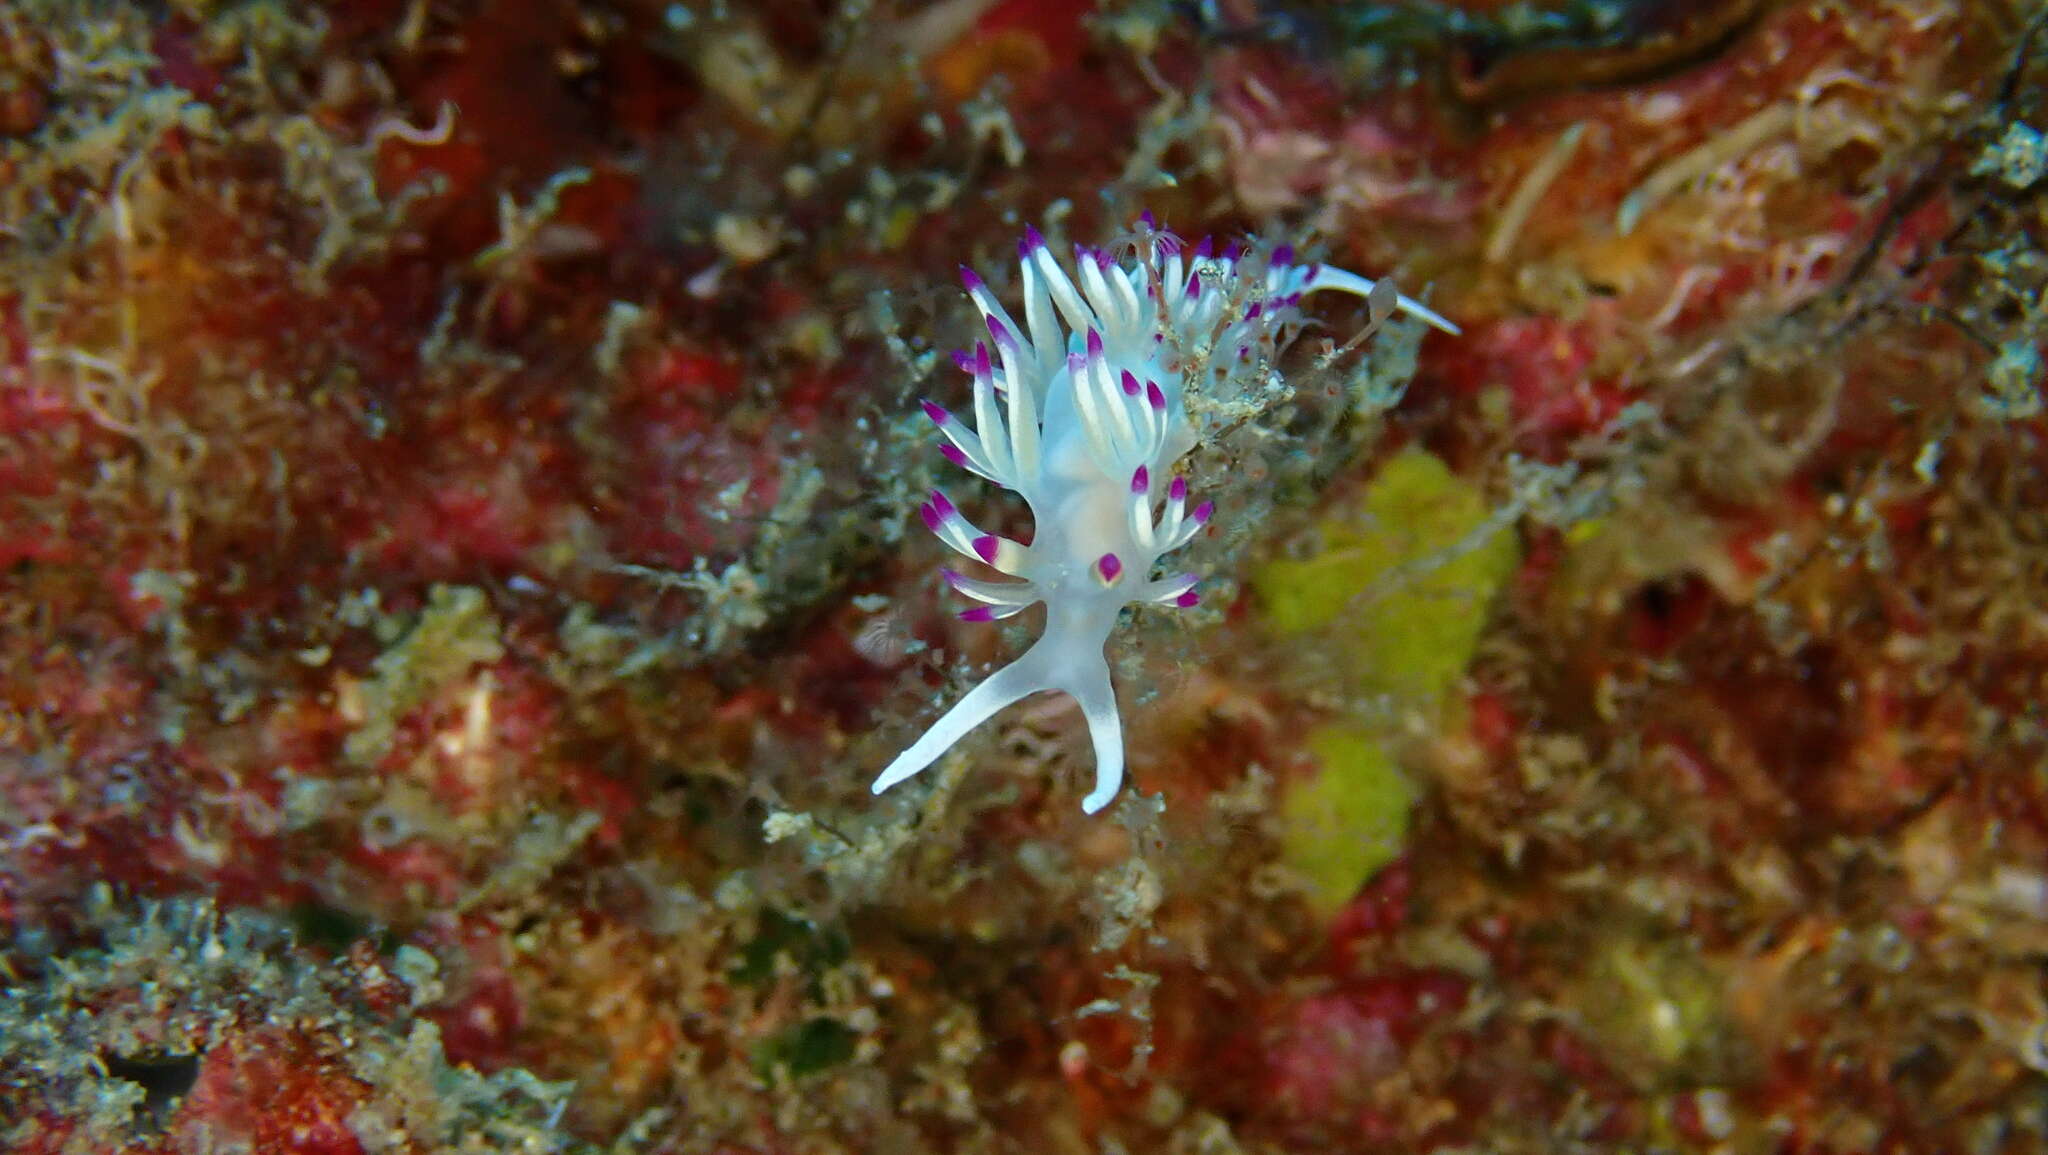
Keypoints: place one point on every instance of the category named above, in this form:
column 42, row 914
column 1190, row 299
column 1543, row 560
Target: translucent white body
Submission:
column 1082, row 413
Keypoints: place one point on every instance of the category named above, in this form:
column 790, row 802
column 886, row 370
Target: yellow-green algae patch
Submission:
column 1347, row 821
column 1400, row 590
column 1410, row 574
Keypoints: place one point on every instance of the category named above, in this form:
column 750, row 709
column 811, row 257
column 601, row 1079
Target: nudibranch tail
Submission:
column 1082, row 412
column 1090, row 686
column 1048, row 665
column 998, row 690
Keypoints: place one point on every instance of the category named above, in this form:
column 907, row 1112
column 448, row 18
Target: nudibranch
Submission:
column 1081, row 410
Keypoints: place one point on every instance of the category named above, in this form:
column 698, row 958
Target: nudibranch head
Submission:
column 1081, row 410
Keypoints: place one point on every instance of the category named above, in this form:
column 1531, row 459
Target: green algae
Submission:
column 811, row 1046
column 1400, row 591
column 1402, row 585
column 1349, row 820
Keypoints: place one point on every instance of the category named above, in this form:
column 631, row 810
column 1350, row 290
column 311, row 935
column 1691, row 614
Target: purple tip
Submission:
column 1169, row 245
column 953, row 454
column 1232, row 251
column 1203, row 512
column 1205, row 248
column 1130, row 384
column 1094, row 344
column 965, row 362
column 1110, row 567
column 1154, row 397
column 1188, row 600
column 1194, row 288
column 1178, row 491
column 931, row 517
column 982, row 367
column 1033, row 241
column 1146, row 218
column 936, row 412
column 985, row 548
column 1000, row 332
column 952, row 576
column 1252, row 313
column 971, row 279
column 943, row 504
column 1284, row 255
column 1141, row 481
column 978, row 614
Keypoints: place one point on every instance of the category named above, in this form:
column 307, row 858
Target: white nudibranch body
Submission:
column 1082, row 411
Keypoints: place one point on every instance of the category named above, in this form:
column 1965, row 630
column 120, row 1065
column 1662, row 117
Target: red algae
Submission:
column 455, row 584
